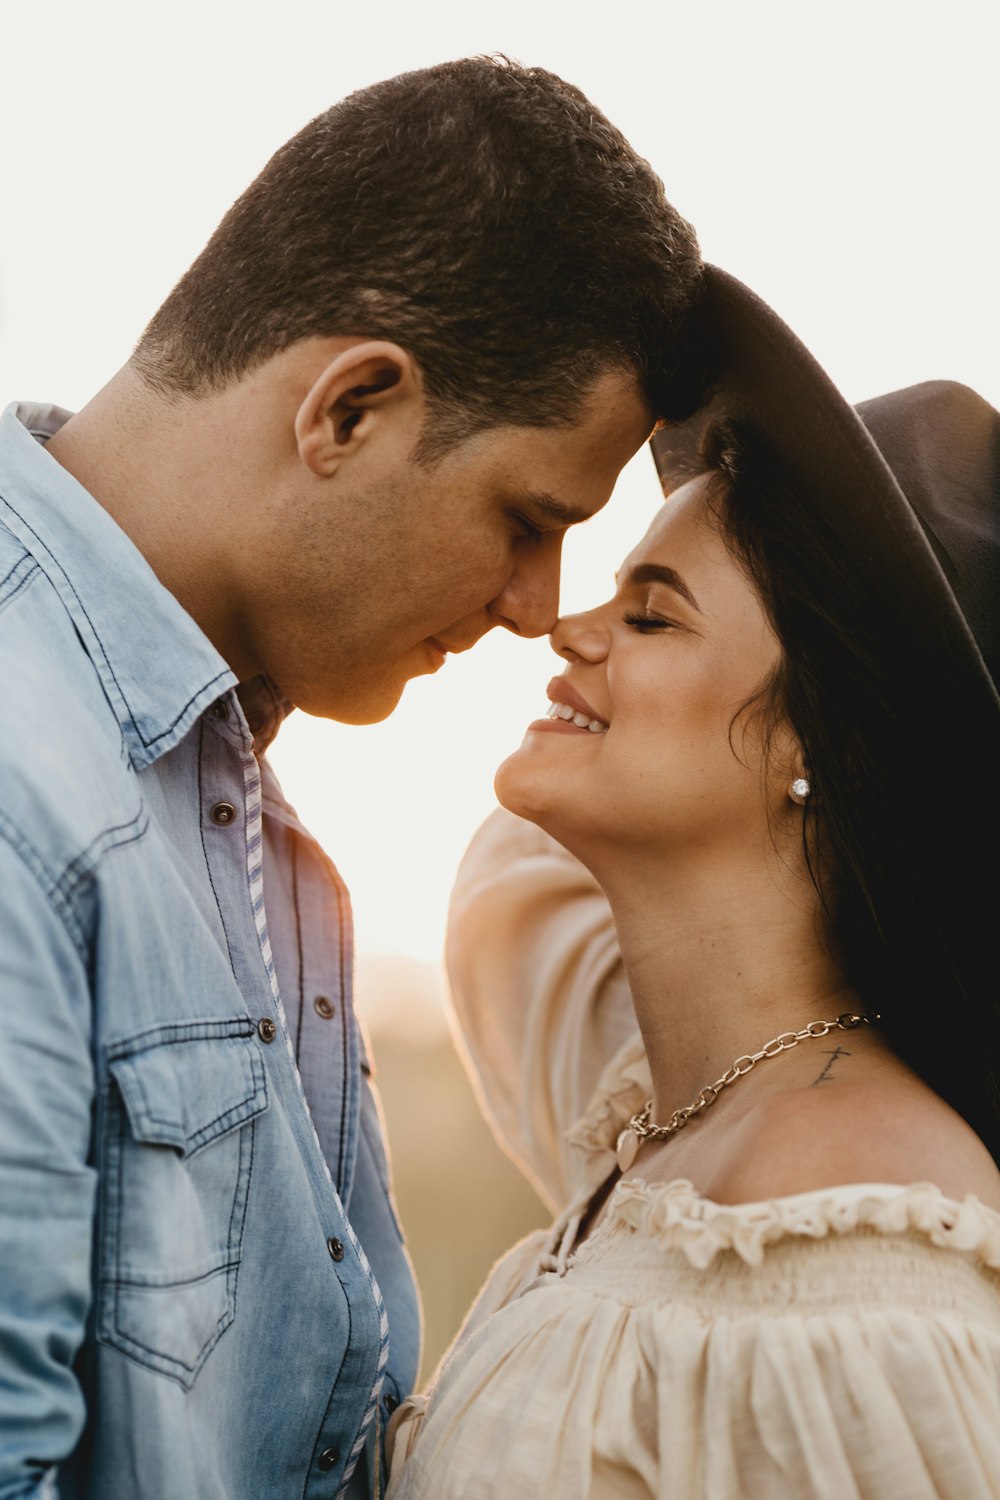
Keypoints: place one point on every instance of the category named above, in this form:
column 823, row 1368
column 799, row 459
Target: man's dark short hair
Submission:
column 484, row 216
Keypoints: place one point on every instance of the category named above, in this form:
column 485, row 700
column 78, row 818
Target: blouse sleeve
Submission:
column 538, row 992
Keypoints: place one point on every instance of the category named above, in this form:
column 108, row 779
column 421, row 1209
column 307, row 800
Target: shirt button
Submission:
column 266, row 1029
column 335, row 1247
column 220, row 709
column 328, row 1458
column 324, row 1007
column 223, row 813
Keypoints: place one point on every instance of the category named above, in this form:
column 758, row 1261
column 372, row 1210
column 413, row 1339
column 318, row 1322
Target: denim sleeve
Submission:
column 47, row 1188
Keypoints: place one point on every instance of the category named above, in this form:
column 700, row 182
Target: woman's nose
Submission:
column 582, row 637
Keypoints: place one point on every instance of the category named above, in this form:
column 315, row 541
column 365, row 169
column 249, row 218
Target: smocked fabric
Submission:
column 839, row 1344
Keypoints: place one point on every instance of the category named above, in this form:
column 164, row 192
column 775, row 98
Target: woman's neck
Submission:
column 718, row 962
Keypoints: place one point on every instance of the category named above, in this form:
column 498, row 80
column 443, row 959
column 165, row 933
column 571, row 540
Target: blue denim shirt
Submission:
column 186, row 1309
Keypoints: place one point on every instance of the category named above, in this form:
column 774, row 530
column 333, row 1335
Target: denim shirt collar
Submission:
column 158, row 669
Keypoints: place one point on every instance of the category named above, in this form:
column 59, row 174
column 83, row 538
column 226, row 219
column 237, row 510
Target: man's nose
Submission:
column 528, row 604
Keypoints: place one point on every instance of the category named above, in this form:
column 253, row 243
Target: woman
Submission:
column 775, row 748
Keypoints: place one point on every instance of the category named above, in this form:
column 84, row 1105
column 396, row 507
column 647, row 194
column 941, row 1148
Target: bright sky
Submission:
column 841, row 159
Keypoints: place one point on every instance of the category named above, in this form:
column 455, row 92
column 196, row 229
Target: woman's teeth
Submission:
column 563, row 711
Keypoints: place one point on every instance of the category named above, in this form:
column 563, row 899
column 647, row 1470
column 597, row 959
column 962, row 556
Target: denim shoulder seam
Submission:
column 19, row 576
column 86, row 862
column 60, row 890
column 46, row 881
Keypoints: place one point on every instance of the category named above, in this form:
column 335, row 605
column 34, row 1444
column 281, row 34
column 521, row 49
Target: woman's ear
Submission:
column 788, row 769
column 354, row 393
column 799, row 790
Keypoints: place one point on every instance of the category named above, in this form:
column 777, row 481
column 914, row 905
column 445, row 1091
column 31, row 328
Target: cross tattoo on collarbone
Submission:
column 826, row 1076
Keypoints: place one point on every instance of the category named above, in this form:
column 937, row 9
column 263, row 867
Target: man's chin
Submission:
column 347, row 706
column 368, row 696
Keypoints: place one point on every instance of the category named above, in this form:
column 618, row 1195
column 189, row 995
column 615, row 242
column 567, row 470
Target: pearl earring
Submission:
column 799, row 790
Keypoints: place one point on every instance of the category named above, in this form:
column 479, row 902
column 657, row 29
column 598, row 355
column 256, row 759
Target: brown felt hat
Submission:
column 910, row 481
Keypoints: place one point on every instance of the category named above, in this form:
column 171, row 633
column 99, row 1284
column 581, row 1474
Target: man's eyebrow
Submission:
column 550, row 505
column 657, row 573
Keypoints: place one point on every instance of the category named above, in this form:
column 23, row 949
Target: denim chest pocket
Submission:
column 177, row 1158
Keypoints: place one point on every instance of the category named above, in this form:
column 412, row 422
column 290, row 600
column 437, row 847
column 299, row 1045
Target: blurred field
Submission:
column 461, row 1201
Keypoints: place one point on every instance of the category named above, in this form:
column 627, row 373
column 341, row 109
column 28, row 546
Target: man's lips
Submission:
column 456, row 646
column 434, row 652
column 561, row 690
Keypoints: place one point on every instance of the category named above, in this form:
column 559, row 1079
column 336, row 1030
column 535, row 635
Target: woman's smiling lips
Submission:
column 570, row 713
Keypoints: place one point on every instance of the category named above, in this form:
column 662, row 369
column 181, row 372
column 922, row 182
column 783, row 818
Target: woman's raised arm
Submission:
column 539, row 995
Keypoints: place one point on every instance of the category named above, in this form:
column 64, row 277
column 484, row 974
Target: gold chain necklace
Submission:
column 641, row 1128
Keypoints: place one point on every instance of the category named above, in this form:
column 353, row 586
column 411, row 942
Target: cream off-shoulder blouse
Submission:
column 842, row 1343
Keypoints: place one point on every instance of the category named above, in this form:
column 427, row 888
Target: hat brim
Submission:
column 783, row 399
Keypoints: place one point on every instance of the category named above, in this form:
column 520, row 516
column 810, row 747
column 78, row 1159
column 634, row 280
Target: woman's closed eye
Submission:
column 643, row 621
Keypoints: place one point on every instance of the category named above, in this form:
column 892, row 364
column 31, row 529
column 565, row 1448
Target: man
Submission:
column 421, row 344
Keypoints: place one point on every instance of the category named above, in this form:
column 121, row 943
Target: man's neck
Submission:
column 161, row 472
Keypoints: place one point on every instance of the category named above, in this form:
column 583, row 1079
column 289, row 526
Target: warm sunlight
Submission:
column 840, row 160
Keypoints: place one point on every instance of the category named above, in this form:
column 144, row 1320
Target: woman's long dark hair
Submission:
column 890, row 837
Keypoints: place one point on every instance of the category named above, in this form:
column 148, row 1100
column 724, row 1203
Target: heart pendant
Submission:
column 627, row 1149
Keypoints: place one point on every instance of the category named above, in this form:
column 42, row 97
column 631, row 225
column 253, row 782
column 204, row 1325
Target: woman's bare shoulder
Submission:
column 878, row 1129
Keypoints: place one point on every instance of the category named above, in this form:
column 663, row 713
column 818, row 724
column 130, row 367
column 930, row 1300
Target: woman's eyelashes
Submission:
column 644, row 621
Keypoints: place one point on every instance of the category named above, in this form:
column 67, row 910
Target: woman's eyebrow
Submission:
column 658, row 573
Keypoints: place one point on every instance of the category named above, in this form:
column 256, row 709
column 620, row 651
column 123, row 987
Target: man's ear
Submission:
column 347, row 400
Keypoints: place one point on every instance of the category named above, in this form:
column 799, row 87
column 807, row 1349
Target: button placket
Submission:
column 352, row 1271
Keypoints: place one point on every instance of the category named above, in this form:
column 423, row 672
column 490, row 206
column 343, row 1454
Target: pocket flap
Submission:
column 187, row 1092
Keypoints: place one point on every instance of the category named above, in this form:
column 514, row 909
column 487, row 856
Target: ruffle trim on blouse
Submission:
column 621, row 1092
column 677, row 1217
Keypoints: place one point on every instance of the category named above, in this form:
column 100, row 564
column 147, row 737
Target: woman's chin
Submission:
column 524, row 789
